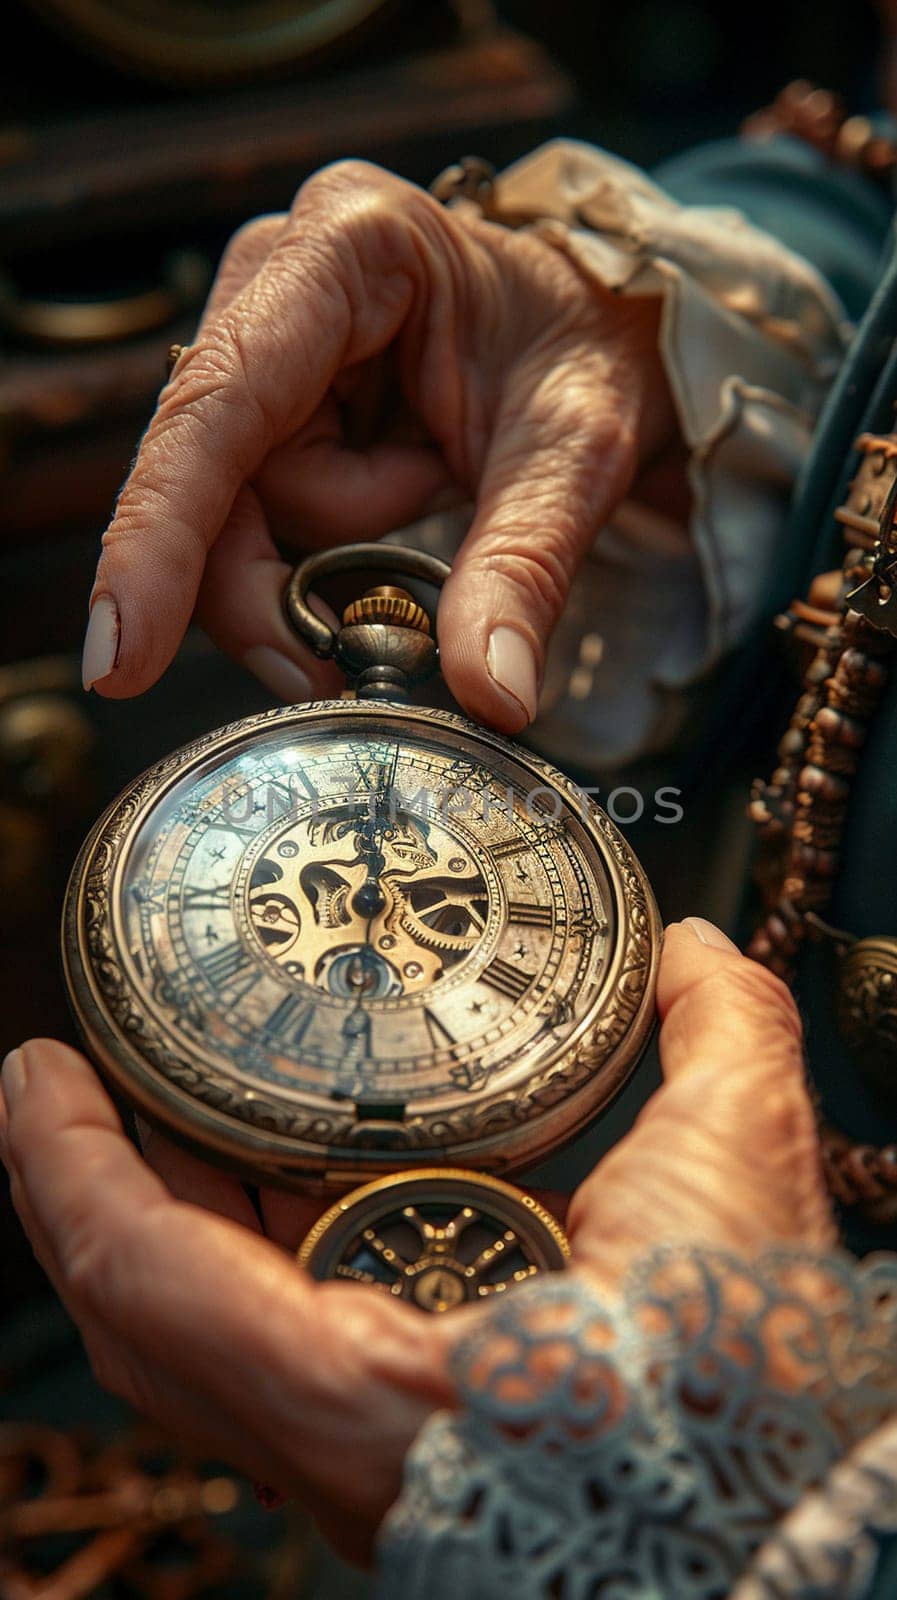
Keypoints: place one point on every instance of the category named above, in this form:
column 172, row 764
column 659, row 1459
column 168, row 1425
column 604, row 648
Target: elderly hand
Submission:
column 217, row 1334
column 361, row 360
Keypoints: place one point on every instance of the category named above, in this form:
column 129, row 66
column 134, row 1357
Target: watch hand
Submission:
column 370, row 900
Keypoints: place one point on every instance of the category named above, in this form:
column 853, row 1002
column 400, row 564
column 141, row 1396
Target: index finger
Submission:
column 258, row 372
column 336, row 288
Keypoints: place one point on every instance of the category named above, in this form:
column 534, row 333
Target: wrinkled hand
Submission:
column 360, row 360
column 210, row 1328
column 726, row 1153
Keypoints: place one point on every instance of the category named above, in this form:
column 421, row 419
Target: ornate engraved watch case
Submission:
column 343, row 939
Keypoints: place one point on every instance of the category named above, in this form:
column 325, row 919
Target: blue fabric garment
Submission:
column 842, row 223
column 835, row 218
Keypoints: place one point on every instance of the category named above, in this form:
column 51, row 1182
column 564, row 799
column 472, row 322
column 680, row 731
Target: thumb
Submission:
column 568, row 437
column 725, row 1154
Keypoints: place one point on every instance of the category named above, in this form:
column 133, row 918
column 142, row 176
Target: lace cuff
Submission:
column 828, row 1547
column 644, row 1449
column 751, row 336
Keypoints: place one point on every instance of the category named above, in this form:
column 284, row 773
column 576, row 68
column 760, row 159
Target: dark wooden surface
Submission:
column 241, row 153
column 88, row 205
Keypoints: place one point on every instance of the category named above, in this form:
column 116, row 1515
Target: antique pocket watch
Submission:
column 344, row 939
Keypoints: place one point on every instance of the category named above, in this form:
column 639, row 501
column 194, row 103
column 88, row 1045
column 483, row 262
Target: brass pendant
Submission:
column 875, row 598
column 345, row 938
column 867, row 1009
column 438, row 1238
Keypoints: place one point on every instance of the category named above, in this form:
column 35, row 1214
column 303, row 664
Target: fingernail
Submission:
column 278, row 673
column 709, row 933
column 101, row 641
column 512, row 666
column 13, row 1073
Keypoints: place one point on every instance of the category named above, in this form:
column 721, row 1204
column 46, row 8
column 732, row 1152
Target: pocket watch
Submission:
column 437, row 1237
column 353, row 937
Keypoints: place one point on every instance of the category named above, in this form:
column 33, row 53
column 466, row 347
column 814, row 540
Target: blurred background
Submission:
column 134, row 138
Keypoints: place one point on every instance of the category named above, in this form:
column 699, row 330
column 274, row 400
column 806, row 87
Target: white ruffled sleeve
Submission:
column 751, row 336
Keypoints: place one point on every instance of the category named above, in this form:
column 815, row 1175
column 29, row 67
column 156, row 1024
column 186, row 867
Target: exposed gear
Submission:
column 442, row 914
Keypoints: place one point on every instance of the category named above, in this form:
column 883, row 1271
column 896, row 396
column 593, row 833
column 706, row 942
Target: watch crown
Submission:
column 387, row 604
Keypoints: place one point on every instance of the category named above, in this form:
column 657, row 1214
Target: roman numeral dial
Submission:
column 510, row 980
column 227, row 963
column 210, row 897
column 509, row 847
column 290, row 1021
column 529, row 916
column 365, row 943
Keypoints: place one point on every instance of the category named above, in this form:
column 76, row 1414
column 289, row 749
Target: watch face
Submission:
column 339, row 938
column 438, row 1239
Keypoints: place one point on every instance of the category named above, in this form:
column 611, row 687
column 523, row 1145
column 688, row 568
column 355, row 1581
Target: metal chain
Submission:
column 802, row 810
column 819, row 118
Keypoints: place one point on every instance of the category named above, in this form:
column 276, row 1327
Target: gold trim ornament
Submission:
column 342, row 939
column 867, row 1009
column 438, row 1238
